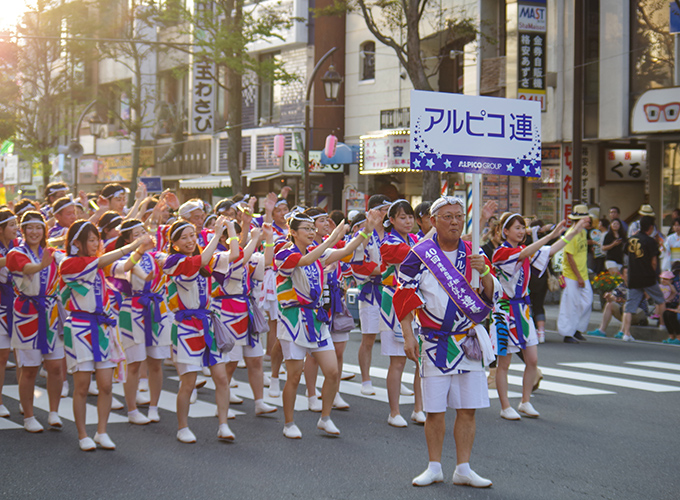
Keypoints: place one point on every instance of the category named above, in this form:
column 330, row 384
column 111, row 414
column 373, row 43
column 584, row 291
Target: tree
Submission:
column 225, row 30
column 37, row 85
column 400, row 24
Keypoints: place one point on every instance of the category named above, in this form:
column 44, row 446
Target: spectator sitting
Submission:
column 615, row 300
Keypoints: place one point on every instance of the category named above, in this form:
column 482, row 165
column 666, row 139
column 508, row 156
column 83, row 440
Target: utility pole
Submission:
column 577, row 130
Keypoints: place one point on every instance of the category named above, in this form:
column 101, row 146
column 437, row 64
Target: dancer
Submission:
column 36, row 327
column 454, row 346
column 89, row 332
column 144, row 322
column 512, row 329
column 393, row 251
column 193, row 332
column 366, row 271
column 303, row 322
column 8, row 240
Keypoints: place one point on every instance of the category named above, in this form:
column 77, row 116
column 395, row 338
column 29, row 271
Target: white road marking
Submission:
column 623, row 370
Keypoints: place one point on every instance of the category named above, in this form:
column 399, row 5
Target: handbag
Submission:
column 260, row 324
column 553, row 283
column 225, row 340
column 470, row 346
column 342, row 321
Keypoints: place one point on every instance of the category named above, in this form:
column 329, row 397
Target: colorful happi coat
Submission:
column 193, row 335
column 6, row 292
column 144, row 314
column 512, row 324
column 90, row 328
column 302, row 318
column 57, row 231
column 36, row 322
column 364, row 262
column 230, row 296
column 444, row 322
column 162, row 237
column 393, row 251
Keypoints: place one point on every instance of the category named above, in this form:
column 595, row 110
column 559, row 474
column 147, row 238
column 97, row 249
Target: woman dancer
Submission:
column 303, row 322
column 231, row 304
column 144, row 322
column 8, row 240
column 89, row 332
column 36, row 326
column 512, row 329
column 193, row 332
column 393, row 251
column 108, row 229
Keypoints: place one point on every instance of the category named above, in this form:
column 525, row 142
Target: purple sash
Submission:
column 452, row 281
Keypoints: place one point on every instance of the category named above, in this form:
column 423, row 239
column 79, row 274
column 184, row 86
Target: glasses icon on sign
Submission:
column 669, row 111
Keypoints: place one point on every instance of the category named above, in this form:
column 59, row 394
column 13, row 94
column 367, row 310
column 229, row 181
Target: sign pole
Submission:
column 476, row 196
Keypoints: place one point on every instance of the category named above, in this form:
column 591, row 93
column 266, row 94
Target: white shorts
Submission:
column 271, row 307
column 369, row 316
column 90, row 366
column 33, row 357
column 390, row 346
column 295, row 352
column 139, row 352
column 460, row 391
column 340, row 337
column 183, row 368
column 241, row 351
column 5, row 341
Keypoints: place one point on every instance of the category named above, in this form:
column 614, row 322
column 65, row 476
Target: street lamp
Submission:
column 331, row 84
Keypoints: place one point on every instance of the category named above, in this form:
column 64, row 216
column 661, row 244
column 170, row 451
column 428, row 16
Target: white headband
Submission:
column 55, row 189
column 72, row 248
column 189, row 207
column 114, row 220
column 12, row 217
column 318, row 216
column 383, row 204
column 509, row 218
column 181, row 227
column 446, row 200
column 117, row 193
column 26, row 208
column 134, row 226
column 69, row 204
column 281, row 202
column 33, row 221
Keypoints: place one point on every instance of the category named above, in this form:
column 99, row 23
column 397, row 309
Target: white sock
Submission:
column 133, row 412
column 325, row 419
column 366, row 384
column 289, row 425
column 435, row 467
column 463, row 469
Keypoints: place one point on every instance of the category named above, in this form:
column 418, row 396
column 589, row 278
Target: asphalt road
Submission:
column 608, row 429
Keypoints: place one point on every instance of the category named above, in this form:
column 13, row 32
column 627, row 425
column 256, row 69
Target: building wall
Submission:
column 614, row 68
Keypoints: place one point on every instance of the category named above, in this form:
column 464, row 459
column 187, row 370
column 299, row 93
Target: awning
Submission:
column 344, row 154
column 207, row 182
column 260, row 175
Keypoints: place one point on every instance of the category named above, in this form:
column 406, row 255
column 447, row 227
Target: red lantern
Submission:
column 331, row 143
column 279, row 145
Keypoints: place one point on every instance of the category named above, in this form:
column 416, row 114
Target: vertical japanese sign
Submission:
column 476, row 135
column 567, row 183
column 203, row 86
column 531, row 60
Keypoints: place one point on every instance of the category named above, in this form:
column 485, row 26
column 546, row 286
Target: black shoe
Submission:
column 579, row 336
column 570, row 340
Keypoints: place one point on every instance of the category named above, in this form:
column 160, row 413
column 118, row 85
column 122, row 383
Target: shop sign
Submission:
column 292, row 163
column 203, row 87
column 567, row 184
column 532, row 18
column 11, row 170
column 657, row 111
column 625, row 165
column 384, row 153
column 472, row 134
column 531, row 56
column 118, row 169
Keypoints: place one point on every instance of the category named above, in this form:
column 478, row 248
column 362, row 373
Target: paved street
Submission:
column 609, row 413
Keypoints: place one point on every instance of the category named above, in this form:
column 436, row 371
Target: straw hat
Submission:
column 646, row 210
column 579, row 212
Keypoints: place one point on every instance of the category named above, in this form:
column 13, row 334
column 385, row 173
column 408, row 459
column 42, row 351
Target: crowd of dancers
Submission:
column 90, row 288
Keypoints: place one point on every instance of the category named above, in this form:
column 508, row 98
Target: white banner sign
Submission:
column 478, row 135
column 11, row 170
column 625, row 165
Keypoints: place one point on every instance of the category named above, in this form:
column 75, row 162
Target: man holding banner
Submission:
column 434, row 285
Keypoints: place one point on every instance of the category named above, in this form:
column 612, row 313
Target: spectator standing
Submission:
column 643, row 253
column 613, row 244
column 577, row 297
column 672, row 246
column 615, row 213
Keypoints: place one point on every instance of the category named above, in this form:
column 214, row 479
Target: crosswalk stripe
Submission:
column 656, row 364
column 41, row 402
column 546, row 385
column 7, row 424
column 378, row 372
column 670, row 377
column 600, row 379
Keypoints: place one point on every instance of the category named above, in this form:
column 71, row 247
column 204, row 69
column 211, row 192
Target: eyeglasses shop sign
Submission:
column 292, row 162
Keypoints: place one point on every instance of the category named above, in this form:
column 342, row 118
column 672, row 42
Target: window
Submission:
column 269, row 102
column 367, row 61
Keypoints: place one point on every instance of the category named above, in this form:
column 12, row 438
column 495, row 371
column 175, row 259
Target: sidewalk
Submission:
column 650, row 333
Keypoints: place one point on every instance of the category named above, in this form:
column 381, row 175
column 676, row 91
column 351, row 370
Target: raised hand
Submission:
column 219, row 225
column 47, row 258
column 285, row 191
column 140, row 194
column 270, row 202
column 489, row 209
